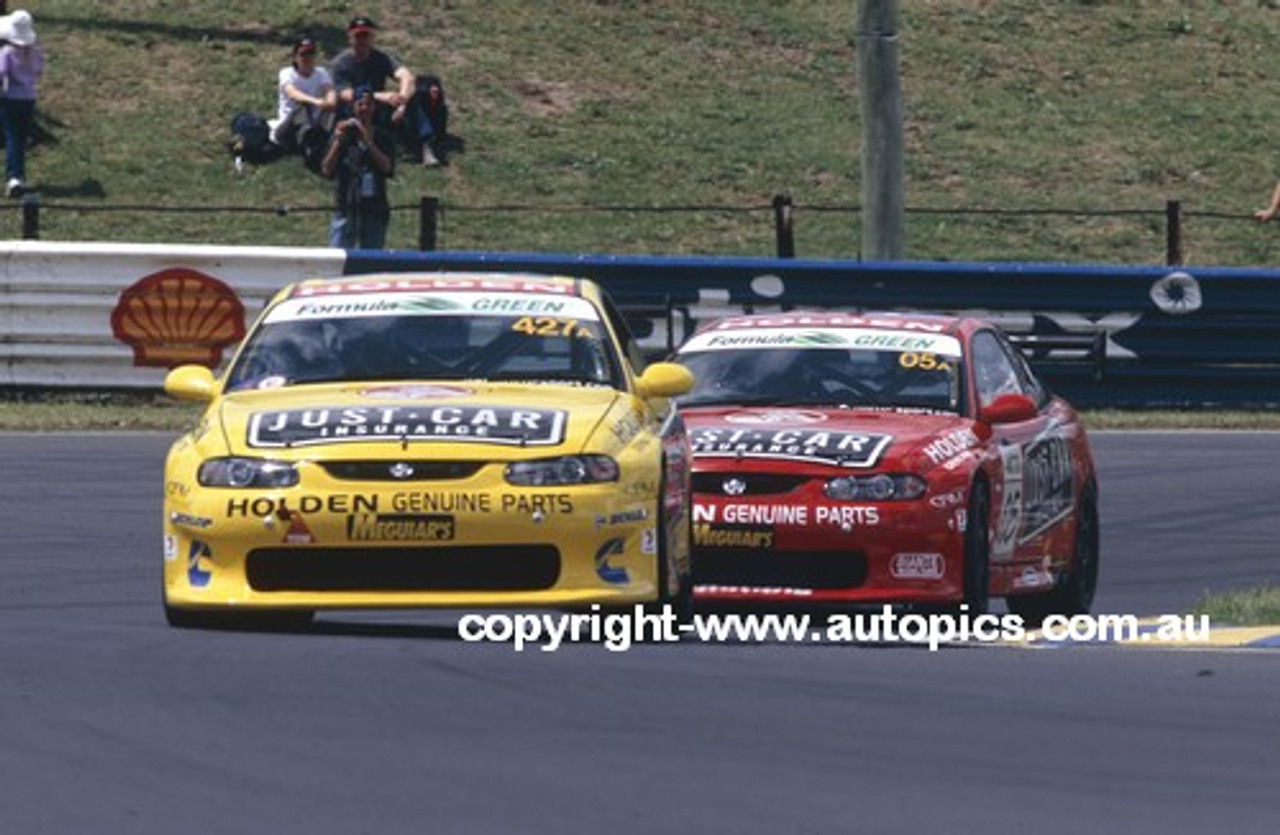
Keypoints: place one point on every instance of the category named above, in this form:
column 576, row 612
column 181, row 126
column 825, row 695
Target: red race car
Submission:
column 885, row 458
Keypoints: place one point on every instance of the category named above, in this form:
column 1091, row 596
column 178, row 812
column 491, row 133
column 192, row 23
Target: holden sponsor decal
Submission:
column 459, row 424
column 776, row 416
column 544, row 504
column 445, row 501
column 831, row 320
column 286, row 508
column 732, row 536
column 178, row 316
column 917, row 566
column 419, row 283
column 399, row 527
column 751, row 514
column 424, row 392
column 844, row 449
column 846, row 516
column 950, row 444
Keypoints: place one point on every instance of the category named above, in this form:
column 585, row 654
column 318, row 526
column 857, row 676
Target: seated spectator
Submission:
column 364, row 65
column 305, row 101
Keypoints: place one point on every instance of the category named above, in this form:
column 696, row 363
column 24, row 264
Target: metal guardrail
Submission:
column 1103, row 336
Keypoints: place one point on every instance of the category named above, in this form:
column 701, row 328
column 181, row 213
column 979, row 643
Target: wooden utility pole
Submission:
column 881, row 91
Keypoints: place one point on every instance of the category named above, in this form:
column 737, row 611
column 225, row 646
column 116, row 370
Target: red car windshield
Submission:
column 855, row 378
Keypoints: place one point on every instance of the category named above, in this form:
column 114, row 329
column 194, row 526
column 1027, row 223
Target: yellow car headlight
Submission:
column 570, row 469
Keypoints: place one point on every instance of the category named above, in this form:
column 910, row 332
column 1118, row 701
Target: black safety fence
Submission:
column 430, row 213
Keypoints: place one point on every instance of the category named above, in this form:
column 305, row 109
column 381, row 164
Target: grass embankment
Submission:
column 1017, row 105
column 1249, row 607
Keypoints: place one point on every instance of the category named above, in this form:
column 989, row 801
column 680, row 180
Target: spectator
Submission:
column 360, row 159
column 304, row 100
column 1263, row 215
column 363, row 64
column 21, row 64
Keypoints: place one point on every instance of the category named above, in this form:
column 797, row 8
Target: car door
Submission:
column 1019, row 446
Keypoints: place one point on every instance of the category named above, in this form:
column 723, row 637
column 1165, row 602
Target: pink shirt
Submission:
column 20, row 67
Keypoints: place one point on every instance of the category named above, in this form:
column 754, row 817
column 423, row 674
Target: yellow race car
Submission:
column 460, row 440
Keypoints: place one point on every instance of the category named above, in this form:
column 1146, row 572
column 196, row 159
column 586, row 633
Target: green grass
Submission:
column 1077, row 105
column 1249, row 607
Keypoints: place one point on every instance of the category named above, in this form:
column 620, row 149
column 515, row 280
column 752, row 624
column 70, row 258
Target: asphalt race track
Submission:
column 111, row 722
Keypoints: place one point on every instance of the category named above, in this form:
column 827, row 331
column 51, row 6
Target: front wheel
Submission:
column 977, row 551
column 681, row 598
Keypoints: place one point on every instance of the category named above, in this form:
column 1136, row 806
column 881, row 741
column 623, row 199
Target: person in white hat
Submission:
column 21, row 65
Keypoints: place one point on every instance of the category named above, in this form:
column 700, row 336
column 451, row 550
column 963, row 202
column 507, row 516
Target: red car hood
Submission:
column 845, row 438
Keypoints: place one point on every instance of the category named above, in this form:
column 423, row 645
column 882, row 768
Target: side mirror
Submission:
column 190, row 382
column 1009, row 408
column 664, row 379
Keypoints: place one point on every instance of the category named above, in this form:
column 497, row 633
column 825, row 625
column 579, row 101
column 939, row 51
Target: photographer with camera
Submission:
column 360, row 159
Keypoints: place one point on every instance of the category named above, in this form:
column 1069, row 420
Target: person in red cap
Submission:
column 304, row 100
column 363, row 64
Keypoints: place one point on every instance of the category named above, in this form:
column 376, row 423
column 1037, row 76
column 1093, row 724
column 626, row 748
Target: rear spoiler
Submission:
column 1064, row 347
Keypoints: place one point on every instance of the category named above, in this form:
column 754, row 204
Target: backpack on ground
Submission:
column 313, row 142
column 251, row 139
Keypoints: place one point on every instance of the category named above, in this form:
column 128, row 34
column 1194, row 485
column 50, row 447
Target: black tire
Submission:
column 1073, row 593
column 271, row 620
column 681, row 601
column 977, row 550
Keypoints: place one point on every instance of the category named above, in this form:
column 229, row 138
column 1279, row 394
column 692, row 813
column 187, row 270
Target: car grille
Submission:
column 449, row 568
column 751, row 484
column 789, row 569
column 401, row 470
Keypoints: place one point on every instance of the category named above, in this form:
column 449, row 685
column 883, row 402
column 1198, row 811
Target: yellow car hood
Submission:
column 497, row 421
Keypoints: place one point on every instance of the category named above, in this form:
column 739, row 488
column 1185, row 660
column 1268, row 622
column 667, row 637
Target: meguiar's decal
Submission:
column 845, row 449
column 399, row 527
column 338, row 424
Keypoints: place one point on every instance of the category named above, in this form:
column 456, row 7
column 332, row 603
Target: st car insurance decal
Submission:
column 458, row 424
column 431, row 304
column 865, row 339
column 844, row 449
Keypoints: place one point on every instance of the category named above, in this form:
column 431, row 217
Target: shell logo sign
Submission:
column 178, row 316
